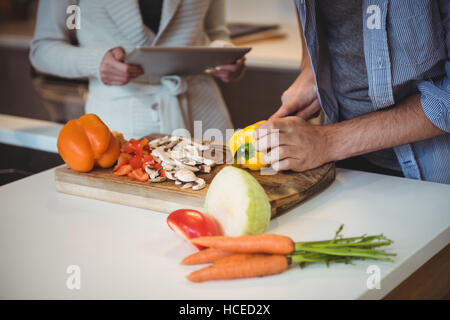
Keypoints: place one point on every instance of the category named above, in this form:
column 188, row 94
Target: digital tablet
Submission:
column 161, row 61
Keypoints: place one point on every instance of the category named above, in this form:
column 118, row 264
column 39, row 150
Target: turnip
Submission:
column 238, row 202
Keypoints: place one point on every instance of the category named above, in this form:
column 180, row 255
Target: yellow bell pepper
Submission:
column 243, row 150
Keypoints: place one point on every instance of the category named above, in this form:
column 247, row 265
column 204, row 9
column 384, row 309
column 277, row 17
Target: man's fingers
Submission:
column 288, row 109
column 267, row 142
column 272, row 141
column 280, row 153
column 287, row 164
column 309, row 111
column 273, row 126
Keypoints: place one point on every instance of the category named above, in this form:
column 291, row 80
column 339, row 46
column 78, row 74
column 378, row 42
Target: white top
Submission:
column 125, row 252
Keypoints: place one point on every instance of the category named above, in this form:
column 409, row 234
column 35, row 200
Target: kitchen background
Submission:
column 272, row 66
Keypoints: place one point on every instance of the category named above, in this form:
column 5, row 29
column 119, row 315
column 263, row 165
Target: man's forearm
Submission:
column 404, row 123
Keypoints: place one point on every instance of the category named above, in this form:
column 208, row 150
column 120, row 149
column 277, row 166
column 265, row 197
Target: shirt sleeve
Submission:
column 435, row 95
column 51, row 51
column 215, row 24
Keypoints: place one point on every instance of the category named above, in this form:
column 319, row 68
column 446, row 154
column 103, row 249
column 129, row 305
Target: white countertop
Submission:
column 125, row 252
column 282, row 53
column 29, row 133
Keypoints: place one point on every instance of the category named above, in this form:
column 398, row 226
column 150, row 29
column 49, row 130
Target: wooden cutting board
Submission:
column 284, row 190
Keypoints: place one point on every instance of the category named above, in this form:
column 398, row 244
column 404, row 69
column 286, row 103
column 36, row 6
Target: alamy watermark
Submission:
column 374, row 280
column 73, row 21
column 73, row 281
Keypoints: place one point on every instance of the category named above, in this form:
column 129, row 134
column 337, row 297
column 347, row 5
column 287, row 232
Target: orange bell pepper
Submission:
column 124, row 159
column 123, row 170
column 87, row 142
column 139, row 175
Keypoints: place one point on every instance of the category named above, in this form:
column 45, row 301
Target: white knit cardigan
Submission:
column 106, row 24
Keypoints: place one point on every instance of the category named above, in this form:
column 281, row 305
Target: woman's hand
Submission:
column 114, row 72
column 300, row 99
column 230, row 72
column 294, row 144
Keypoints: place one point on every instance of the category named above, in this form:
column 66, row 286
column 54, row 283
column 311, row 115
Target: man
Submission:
column 379, row 70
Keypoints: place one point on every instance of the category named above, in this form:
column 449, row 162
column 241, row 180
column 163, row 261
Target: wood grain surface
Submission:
column 284, row 190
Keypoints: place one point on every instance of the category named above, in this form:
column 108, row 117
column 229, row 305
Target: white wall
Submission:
column 261, row 11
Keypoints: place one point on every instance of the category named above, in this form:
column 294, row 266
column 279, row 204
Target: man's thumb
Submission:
column 284, row 111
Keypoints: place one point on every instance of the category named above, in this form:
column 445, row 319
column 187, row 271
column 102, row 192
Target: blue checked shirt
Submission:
column 406, row 48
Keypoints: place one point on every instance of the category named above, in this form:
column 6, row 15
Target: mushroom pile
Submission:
column 181, row 158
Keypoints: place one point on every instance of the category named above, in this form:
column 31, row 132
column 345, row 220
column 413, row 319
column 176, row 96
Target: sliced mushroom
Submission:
column 159, row 141
column 170, row 175
column 198, row 145
column 187, row 185
column 178, row 182
column 163, row 155
column 168, row 167
column 186, row 166
column 199, row 184
column 153, row 174
column 158, row 179
column 185, row 176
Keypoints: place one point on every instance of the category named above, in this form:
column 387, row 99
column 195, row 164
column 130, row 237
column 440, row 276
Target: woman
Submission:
column 119, row 93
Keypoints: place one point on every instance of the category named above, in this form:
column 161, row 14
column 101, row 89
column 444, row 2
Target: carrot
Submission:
column 262, row 243
column 253, row 267
column 206, row 256
column 237, row 257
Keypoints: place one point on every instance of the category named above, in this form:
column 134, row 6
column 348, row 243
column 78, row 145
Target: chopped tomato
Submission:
column 139, row 174
column 156, row 166
column 149, row 159
column 124, row 159
column 163, row 173
column 135, row 156
column 139, row 145
column 123, row 170
column 136, row 161
column 136, row 147
column 192, row 224
column 127, row 148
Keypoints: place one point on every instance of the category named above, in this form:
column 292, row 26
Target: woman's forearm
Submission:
column 51, row 51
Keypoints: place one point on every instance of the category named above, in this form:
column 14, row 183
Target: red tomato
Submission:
column 123, row 170
column 136, row 147
column 156, row 166
column 139, row 175
column 136, row 162
column 127, row 148
column 192, row 224
column 124, row 159
column 149, row 159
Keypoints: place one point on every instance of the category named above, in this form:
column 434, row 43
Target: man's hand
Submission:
column 228, row 73
column 300, row 146
column 300, row 99
column 114, row 72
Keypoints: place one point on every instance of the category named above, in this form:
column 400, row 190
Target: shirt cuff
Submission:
column 435, row 100
column 90, row 59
